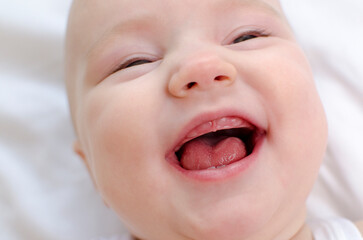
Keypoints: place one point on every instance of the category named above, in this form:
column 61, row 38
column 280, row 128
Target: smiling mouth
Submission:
column 217, row 144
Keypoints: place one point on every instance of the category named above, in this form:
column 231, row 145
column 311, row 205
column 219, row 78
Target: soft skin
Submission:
column 192, row 62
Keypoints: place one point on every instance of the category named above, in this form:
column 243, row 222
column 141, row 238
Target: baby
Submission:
column 197, row 120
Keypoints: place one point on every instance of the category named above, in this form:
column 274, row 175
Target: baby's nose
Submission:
column 201, row 72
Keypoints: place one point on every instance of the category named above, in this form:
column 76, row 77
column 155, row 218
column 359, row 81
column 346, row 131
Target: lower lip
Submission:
column 219, row 174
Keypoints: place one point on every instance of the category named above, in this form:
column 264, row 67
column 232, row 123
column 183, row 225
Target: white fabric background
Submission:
column 45, row 192
column 332, row 34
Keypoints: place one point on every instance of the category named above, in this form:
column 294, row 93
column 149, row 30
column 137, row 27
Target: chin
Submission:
column 229, row 221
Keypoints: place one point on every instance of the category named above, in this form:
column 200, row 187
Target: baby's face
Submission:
column 197, row 119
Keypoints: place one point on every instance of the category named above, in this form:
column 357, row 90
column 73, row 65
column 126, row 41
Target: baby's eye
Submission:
column 134, row 62
column 244, row 38
column 248, row 36
column 131, row 63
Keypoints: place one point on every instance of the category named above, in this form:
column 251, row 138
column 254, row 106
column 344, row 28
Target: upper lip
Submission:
column 188, row 131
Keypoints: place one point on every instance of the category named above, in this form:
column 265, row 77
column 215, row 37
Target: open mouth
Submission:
column 217, row 144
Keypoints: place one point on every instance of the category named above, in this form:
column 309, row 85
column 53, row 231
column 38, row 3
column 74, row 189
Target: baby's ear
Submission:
column 77, row 148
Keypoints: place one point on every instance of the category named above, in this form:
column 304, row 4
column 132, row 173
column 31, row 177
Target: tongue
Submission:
column 204, row 153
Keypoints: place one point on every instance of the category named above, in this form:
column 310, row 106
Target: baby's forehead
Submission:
column 93, row 17
column 125, row 7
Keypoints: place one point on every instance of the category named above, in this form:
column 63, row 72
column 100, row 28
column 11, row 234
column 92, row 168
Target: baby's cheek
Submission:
column 297, row 121
column 289, row 85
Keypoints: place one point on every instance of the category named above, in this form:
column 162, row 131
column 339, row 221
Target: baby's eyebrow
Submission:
column 136, row 22
column 259, row 3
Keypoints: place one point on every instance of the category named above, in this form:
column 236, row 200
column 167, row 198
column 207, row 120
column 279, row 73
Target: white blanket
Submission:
column 45, row 191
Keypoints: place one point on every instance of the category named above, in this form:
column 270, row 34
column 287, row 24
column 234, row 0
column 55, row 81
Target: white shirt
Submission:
column 334, row 229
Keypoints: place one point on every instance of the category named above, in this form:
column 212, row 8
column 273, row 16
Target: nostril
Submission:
column 191, row 84
column 221, row 78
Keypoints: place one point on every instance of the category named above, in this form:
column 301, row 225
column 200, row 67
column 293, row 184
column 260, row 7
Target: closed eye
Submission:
column 248, row 36
column 134, row 62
